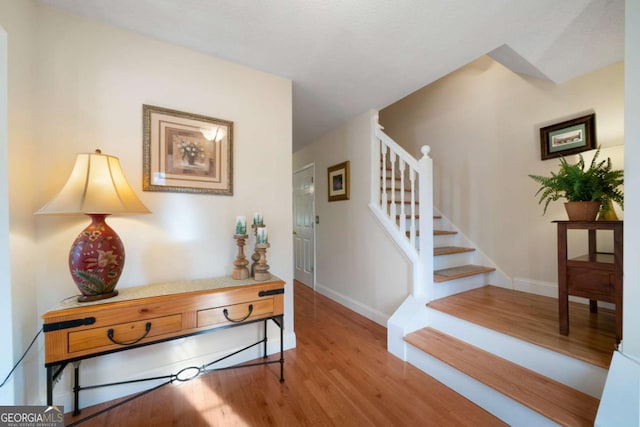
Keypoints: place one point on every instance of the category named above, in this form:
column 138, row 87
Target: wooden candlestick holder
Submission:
column 240, row 270
column 255, row 256
column 261, row 271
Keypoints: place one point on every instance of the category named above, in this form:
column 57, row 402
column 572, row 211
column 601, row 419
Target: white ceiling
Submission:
column 346, row 56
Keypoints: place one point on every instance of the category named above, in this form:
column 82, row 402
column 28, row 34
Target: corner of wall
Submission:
column 7, row 393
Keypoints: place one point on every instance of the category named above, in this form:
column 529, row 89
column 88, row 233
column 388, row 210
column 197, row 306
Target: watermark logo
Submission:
column 31, row 416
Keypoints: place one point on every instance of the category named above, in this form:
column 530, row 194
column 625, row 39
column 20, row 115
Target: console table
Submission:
column 596, row 275
column 150, row 314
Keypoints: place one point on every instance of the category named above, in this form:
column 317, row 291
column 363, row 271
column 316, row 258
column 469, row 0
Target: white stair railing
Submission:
column 402, row 201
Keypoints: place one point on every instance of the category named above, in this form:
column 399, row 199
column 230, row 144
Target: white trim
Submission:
column 312, row 164
column 7, row 393
column 538, row 287
column 364, row 310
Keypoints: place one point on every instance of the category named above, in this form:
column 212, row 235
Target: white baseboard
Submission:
column 549, row 289
column 538, row 287
column 362, row 309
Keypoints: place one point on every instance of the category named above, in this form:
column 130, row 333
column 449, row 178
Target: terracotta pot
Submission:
column 582, row 211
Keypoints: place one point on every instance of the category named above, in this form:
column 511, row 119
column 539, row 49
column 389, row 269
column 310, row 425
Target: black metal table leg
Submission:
column 76, row 387
column 264, row 353
column 281, row 349
column 49, row 385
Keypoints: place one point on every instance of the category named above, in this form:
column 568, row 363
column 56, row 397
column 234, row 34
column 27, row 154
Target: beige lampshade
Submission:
column 96, row 185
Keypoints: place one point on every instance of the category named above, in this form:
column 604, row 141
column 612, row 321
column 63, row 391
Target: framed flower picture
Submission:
column 186, row 153
column 338, row 181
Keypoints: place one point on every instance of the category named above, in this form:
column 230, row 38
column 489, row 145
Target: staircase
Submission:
column 401, row 196
column 521, row 383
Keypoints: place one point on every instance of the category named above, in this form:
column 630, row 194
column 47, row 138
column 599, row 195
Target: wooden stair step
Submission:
column 408, row 216
column 448, row 250
column 443, row 232
column 438, row 233
column 459, row 272
column 558, row 402
column 406, row 190
column 398, row 202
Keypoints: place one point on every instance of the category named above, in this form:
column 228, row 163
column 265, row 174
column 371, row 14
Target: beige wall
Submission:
column 482, row 125
column 357, row 263
column 17, row 18
column 88, row 83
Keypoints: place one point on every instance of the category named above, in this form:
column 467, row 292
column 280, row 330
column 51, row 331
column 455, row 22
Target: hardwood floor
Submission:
column 534, row 318
column 340, row 374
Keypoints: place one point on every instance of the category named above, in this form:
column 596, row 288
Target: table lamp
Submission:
column 96, row 187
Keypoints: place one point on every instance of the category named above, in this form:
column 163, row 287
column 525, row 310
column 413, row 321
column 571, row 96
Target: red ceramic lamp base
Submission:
column 96, row 260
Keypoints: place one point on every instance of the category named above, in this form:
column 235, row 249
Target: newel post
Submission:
column 423, row 285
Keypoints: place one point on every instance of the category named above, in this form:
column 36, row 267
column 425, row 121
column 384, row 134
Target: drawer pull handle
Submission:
column 147, row 328
column 226, row 315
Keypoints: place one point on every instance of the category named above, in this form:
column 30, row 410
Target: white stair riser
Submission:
column 452, row 287
column 446, row 240
column 453, row 260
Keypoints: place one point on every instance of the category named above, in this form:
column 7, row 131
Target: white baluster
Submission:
column 403, row 215
column 412, row 224
column 383, row 183
column 392, row 207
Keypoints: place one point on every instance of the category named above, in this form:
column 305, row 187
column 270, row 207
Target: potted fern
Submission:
column 598, row 185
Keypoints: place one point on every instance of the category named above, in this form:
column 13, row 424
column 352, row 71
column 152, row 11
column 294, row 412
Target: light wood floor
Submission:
column 340, row 374
column 534, row 318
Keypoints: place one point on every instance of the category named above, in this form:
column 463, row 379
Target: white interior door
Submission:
column 304, row 225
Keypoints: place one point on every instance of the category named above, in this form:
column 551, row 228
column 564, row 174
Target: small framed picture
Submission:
column 568, row 137
column 186, row 153
column 338, row 181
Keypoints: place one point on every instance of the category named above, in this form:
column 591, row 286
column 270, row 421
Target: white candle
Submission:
column 241, row 225
column 263, row 236
column 257, row 218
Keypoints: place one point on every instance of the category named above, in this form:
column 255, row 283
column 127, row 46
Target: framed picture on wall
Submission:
column 338, row 181
column 568, row 137
column 186, row 153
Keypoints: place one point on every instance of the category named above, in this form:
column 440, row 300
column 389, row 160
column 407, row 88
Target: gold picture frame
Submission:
column 186, row 153
column 338, row 181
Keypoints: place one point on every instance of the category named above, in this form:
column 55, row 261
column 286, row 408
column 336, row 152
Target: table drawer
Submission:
column 236, row 313
column 590, row 283
column 123, row 334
